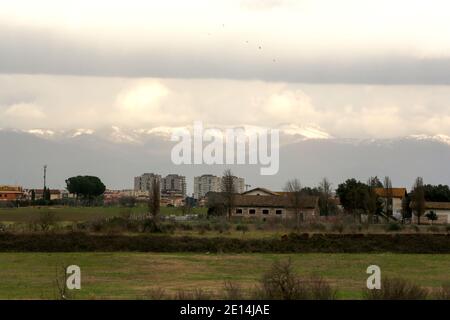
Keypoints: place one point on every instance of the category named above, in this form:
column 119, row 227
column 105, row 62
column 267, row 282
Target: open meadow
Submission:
column 120, row 275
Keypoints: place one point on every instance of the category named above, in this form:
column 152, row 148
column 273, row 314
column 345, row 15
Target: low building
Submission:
column 55, row 194
column 397, row 195
column 11, row 193
column 260, row 192
column 441, row 209
column 268, row 206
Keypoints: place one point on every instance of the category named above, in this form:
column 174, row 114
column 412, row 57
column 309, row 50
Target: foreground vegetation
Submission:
column 80, row 214
column 142, row 275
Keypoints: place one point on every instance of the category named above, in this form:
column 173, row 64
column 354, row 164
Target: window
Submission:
column 252, row 211
column 265, row 211
column 278, row 211
column 238, row 211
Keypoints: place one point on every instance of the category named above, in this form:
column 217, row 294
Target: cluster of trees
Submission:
column 359, row 198
column 297, row 195
column 439, row 193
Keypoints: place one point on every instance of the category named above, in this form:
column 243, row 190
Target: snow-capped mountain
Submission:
column 117, row 155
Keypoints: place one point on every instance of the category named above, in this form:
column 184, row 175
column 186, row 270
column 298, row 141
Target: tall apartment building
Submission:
column 173, row 185
column 205, row 184
column 208, row 182
column 239, row 184
column 143, row 183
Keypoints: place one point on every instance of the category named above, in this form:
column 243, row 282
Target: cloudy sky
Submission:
column 348, row 68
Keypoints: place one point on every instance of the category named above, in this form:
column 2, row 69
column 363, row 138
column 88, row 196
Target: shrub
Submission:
column 355, row 227
column 197, row 294
column 242, row 227
column 204, row 226
column 222, row 227
column 46, row 220
column 317, row 226
column 433, row 229
column 155, row 294
column 281, row 283
column 337, row 227
column 186, row 226
column 396, row 289
column 150, row 225
column 319, row 289
column 232, row 291
column 167, row 227
column 393, row 226
column 444, row 292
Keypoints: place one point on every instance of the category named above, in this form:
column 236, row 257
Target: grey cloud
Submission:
column 26, row 51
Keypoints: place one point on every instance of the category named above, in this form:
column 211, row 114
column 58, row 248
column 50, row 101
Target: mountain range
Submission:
column 116, row 155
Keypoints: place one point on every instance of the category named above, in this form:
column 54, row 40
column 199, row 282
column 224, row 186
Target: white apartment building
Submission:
column 210, row 183
column 205, row 184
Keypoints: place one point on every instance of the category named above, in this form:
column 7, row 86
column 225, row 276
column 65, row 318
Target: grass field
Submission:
column 27, row 214
column 131, row 275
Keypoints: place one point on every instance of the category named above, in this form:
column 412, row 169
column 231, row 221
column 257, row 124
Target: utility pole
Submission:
column 45, row 177
column 247, row 186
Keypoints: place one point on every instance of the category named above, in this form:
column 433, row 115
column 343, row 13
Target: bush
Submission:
column 316, row 226
column 155, row 294
column 222, row 227
column 232, row 291
column 396, row 289
column 355, row 227
column 319, row 289
column 204, row 226
column 242, row 227
column 46, row 220
column 393, row 226
column 293, row 243
column 281, row 283
column 186, row 226
column 444, row 292
column 197, row 294
column 337, row 227
column 433, row 229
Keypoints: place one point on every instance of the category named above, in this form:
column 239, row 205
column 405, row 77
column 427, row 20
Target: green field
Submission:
column 132, row 275
column 27, row 214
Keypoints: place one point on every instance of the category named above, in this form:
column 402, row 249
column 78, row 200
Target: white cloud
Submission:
column 324, row 41
column 158, row 105
column 24, row 111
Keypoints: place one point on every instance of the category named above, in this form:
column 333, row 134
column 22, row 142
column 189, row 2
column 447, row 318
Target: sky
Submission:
column 348, row 68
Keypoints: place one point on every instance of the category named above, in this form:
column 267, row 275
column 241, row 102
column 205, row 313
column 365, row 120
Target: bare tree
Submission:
column 418, row 198
column 388, row 196
column 229, row 191
column 296, row 198
column 154, row 198
column 60, row 283
column 325, row 196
